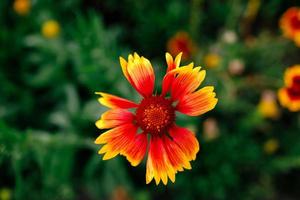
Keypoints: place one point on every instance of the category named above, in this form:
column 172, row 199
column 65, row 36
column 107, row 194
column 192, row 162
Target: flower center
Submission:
column 155, row 114
column 296, row 81
column 295, row 22
column 294, row 93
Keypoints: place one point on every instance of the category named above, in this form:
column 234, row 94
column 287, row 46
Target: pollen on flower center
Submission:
column 155, row 114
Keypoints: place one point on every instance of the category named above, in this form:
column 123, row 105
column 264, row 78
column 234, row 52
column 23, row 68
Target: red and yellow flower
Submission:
column 290, row 24
column 149, row 126
column 289, row 96
column 181, row 42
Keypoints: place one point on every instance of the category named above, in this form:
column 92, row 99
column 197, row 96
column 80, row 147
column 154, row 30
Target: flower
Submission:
column 289, row 96
column 290, row 24
column 22, row 7
column 236, row 67
column 171, row 147
column 50, row 29
column 271, row 146
column 181, row 42
column 212, row 60
column 267, row 106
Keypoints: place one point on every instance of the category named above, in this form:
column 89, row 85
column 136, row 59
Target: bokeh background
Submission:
column 55, row 54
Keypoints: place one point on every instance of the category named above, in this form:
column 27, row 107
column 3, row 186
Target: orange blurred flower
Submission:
column 22, row 7
column 120, row 193
column 181, row 42
column 289, row 96
column 171, row 147
column 267, row 106
column 50, row 29
column 290, row 24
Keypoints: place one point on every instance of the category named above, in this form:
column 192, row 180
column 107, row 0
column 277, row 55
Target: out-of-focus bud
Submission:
column 212, row 60
column 267, row 106
column 5, row 194
column 229, row 37
column 271, row 146
column 120, row 193
column 210, row 129
column 50, row 29
column 236, row 67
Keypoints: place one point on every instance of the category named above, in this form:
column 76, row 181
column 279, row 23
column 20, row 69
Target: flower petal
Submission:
column 199, row 102
column 112, row 101
column 158, row 164
column 123, row 64
column 186, row 140
column 170, row 76
column 139, row 72
column 286, row 100
column 290, row 74
column 173, row 64
column 117, row 140
column 176, row 156
column 113, row 118
column 186, row 82
column 142, row 75
column 136, row 152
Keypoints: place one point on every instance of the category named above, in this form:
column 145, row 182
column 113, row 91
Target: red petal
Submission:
column 158, row 164
column 116, row 140
column 136, row 152
column 186, row 140
column 139, row 72
column 176, row 156
column 186, row 81
column 112, row 101
column 113, row 118
column 197, row 103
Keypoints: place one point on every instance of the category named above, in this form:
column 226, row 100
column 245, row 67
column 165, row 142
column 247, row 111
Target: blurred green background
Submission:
column 55, row 54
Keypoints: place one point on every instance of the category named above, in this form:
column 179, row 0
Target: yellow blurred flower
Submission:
column 271, row 146
column 268, row 106
column 50, row 29
column 212, row 60
column 181, row 42
column 289, row 96
column 210, row 129
column 22, row 7
column 5, row 194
